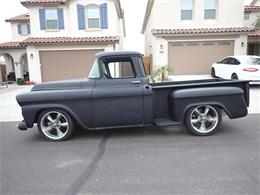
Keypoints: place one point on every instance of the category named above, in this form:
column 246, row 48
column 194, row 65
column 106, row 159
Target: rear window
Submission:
column 253, row 61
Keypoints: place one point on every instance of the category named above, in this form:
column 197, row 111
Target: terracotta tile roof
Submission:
column 20, row 18
column 63, row 40
column 255, row 34
column 251, row 8
column 11, row 45
column 33, row 2
column 200, row 31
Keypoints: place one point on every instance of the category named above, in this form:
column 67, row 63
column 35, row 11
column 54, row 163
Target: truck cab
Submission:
column 121, row 88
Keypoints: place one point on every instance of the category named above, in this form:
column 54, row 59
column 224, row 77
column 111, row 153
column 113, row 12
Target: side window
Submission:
column 118, row 68
column 233, row 61
column 224, row 61
column 230, row 61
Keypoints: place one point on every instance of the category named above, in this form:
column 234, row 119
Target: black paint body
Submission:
column 111, row 103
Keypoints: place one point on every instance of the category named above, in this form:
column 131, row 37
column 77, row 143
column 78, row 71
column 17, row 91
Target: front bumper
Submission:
column 22, row 126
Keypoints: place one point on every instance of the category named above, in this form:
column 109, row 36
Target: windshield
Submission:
column 253, row 61
column 94, row 72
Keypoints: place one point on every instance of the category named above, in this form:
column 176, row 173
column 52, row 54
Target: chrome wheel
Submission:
column 204, row 119
column 54, row 125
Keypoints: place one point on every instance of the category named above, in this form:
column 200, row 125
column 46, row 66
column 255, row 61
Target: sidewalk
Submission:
column 13, row 87
column 9, row 109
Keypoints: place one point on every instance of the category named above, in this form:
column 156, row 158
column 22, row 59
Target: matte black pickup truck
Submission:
column 117, row 93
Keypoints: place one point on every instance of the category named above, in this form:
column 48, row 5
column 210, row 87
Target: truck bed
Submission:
column 161, row 92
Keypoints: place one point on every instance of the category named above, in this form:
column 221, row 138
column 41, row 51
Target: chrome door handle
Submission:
column 135, row 82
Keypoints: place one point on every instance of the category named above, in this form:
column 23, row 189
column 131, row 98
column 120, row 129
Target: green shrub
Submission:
column 160, row 74
column 20, row 81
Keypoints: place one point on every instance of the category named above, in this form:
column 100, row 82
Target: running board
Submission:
column 166, row 122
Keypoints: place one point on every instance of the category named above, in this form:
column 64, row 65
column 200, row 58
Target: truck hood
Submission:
column 59, row 85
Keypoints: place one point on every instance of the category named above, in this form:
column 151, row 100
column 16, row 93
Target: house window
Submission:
column 247, row 16
column 52, row 19
column 210, row 9
column 23, row 29
column 186, row 9
column 93, row 16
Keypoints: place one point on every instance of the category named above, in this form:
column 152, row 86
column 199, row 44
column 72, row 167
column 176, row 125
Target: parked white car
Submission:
column 237, row 67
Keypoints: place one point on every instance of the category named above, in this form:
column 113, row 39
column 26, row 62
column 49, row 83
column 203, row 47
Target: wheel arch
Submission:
column 234, row 73
column 214, row 104
column 32, row 112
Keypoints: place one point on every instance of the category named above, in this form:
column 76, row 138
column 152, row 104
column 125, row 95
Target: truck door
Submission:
column 117, row 95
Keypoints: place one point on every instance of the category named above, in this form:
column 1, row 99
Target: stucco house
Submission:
column 58, row 39
column 189, row 35
column 252, row 12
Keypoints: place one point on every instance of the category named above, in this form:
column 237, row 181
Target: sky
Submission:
column 133, row 16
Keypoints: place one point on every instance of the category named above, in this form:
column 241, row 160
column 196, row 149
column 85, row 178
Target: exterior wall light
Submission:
column 161, row 47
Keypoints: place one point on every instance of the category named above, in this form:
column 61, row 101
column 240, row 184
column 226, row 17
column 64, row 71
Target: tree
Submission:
column 257, row 23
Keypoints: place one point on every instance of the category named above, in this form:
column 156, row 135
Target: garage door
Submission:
column 196, row 57
column 60, row 65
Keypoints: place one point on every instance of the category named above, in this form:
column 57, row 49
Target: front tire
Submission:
column 55, row 125
column 234, row 76
column 203, row 120
column 213, row 73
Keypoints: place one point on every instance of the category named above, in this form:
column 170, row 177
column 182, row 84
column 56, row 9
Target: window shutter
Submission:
column 81, row 17
column 19, row 29
column 61, row 19
column 103, row 15
column 42, row 19
column 28, row 29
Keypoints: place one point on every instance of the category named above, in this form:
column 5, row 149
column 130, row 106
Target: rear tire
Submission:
column 203, row 120
column 55, row 125
column 234, row 76
column 213, row 73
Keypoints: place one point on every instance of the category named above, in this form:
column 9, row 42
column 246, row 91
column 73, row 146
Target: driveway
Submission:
column 133, row 161
column 9, row 109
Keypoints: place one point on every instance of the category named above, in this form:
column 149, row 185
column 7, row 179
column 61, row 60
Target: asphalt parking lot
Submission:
column 133, row 161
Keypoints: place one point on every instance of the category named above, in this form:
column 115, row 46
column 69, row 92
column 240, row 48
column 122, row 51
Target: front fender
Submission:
column 31, row 112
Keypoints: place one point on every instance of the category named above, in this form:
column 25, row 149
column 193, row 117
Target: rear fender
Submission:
column 230, row 99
